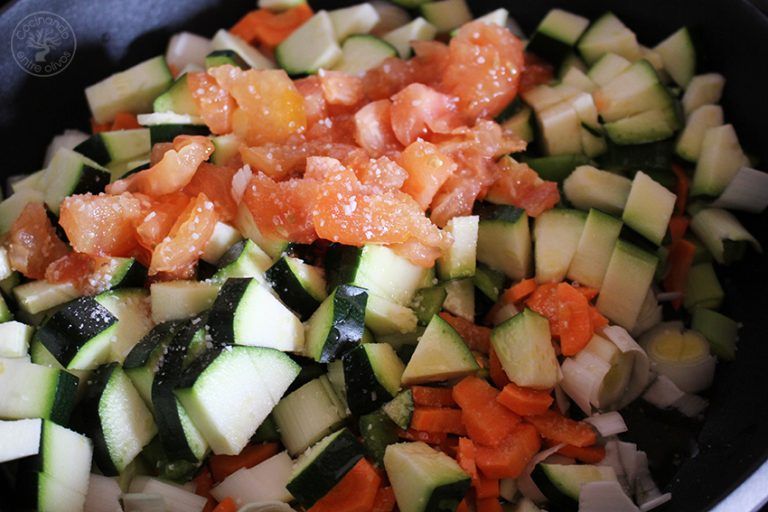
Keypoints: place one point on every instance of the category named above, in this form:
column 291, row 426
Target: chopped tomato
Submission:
column 89, row 274
column 215, row 104
column 216, row 183
column 172, row 173
column 535, row 73
column 429, row 61
column 283, row 209
column 427, row 168
column 455, row 199
column 270, row 108
column 102, row 225
column 187, row 238
column 32, row 242
column 419, row 110
column 281, row 161
column 520, row 186
column 373, row 128
column 385, row 80
column 315, row 106
column 379, row 175
column 159, row 218
column 341, row 88
column 484, row 69
column 125, row 121
column 417, row 253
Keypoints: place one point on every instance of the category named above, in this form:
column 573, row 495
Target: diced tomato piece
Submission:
column 170, row 174
column 429, row 62
column 271, row 28
column 484, row 69
column 509, row 459
column 379, row 175
column 417, row 253
column 520, row 186
column 419, row 110
column 341, row 88
column 477, row 337
column 281, row 161
column 270, row 108
column 428, row 169
column 535, row 73
column 216, row 183
column 89, row 274
column 385, row 500
column 102, row 225
column 160, row 218
column 373, row 128
column 187, row 238
column 32, row 242
column 215, row 104
column 315, row 106
column 455, row 199
column 283, row 209
column 385, row 80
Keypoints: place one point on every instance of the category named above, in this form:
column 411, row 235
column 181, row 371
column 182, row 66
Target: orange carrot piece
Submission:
column 574, row 322
column 385, row 500
column 463, row 506
column 438, row 420
column 587, row 455
column 465, row 456
column 525, row 401
column 203, row 484
column 224, row 465
column 476, row 337
column 598, row 320
column 498, row 375
column 356, row 492
column 509, row 459
column 487, row 422
column 226, row 505
column 125, row 121
column 99, row 127
column 433, row 438
column 683, row 185
column 269, row 28
column 486, row 488
column 488, row 505
column 556, row 427
column 679, row 262
column 678, row 225
column 587, row 291
column 544, row 302
column 433, row 397
column 519, row 291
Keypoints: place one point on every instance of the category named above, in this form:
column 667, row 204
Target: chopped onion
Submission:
column 578, row 382
column 608, row 424
column 691, row 405
column 664, row 394
column 266, row 506
column 186, row 48
column 390, row 17
column 103, row 495
column 240, row 182
column 525, row 483
column 613, row 459
column 69, row 139
column 747, row 191
column 645, row 488
column 264, row 482
column 515, row 28
column 604, row 496
column 176, row 497
column 143, row 502
column 628, row 453
column 656, row 502
column 508, row 488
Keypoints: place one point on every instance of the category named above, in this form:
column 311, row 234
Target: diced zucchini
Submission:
column 311, row 47
column 649, row 126
column 722, row 234
column 608, row 35
column 226, row 147
column 556, row 35
column 358, row 19
column 691, row 140
column 72, row 173
column 222, row 57
column 428, row 302
column 440, row 354
column 561, row 483
column 702, row 288
column 177, row 300
column 625, row 285
column 504, row 241
column 115, row 146
column 372, row 373
column 15, row 338
column 593, row 252
column 178, row 98
column 11, row 208
column 703, row 90
column 649, row 208
column 224, row 236
column 243, row 259
column 446, row 15
column 385, row 317
column 524, row 346
column 417, row 30
column 460, row 298
column 36, row 391
column 460, row 259
column 131, row 307
column 560, row 128
column 363, row 52
column 634, row 91
column 224, row 40
column 608, row 67
column 679, row 56
column 37, row 296
column 280, row 5
column 378, row 432
column 490, row 282
column 720, row 159
column 720, row 331
column 556, row 235
column 337, row 325
column 301, row 287
column 520, row 123
column 577, row 78
column 400, row 409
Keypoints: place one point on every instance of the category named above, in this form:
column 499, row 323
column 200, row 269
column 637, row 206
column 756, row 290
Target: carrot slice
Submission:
column 477, row 337
column 683, row 185
column 521, row 290
column 432, row 397
column 224, row 465
column 226, row 505
column 385, row 500
column 438, row 420
column 598, row 320
column 487, row 422
column 556, row 427
column 544, row 302
column 356, row 492
column 463, row 506
column 680, row 259
column 587, row 455
column 99, row 127
column 269, row 28
column 573, row 318
column 203, row 483
column 508, row 460
column 525, row 401
column 498, row 375
column 486, row 488
column 433, row 438
column 587, row 291
column 678, row 225
column 125, row 121
column 488, row 505
column 465, row 456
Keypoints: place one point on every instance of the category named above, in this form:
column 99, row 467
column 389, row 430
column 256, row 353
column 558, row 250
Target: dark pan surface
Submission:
column 733, row 442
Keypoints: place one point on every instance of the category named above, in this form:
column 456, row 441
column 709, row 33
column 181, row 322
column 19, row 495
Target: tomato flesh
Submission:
column 32, row 242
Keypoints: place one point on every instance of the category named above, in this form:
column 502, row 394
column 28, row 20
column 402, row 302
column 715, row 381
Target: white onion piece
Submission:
column 641, row 372
column 390, row 17
column 103, row 495
column 186, row 48
column 628, row 454
column 266, row 506
column 504, row 313
column 508, row 488
column 69, row 139
column 645, row 488
column 515, row 27
column 604, row 496
column 664, row 394
column 578, row 382
column 691, row 405
column 613, row 459
column 561, row 399
column 656, row 502
column 608, row 424
column 747, row 191
column 240, row 182
column 691, row 375
column 649, row 316
column 142, row 502
column 176, row 497
column 525, row 483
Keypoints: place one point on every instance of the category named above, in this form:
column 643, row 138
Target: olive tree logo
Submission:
column 43, row 44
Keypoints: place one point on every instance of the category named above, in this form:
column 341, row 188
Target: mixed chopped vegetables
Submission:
column 385, row 257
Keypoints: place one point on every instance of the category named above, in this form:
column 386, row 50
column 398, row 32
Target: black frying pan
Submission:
column 733, row 442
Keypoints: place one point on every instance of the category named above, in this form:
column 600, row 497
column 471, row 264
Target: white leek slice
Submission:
column 604, row 496
column 525, row 483
column 641, row 371
column 646, row 490
column 664, row 394
column 608, row 424
column 747, row 191
column 650, row 314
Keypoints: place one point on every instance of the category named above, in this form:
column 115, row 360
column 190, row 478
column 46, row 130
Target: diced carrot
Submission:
column 432, row 397
column 556, row 427
column 508, row 460
column 438, row 420
column 125, row 121
column 356, row 492
column 450, row 446
column 463, row 506
column 477, row 337
column 587, row 291
column 203, row 484
column 679, row 262
column 465, row 456
column 226, row 505
column 519, row 291
column 432, row 438
column 498, row 375
column 99, row 127
column 488, row 505
column 544, row 301
column 598, row 320
column 573, row 318
column 224, row 465
column 525, row 401
column 683, row 184
column 678, row 225
column 269, row 28
column 486, row 488
column 487, row 422
column 385, row 500
column 587, row 455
